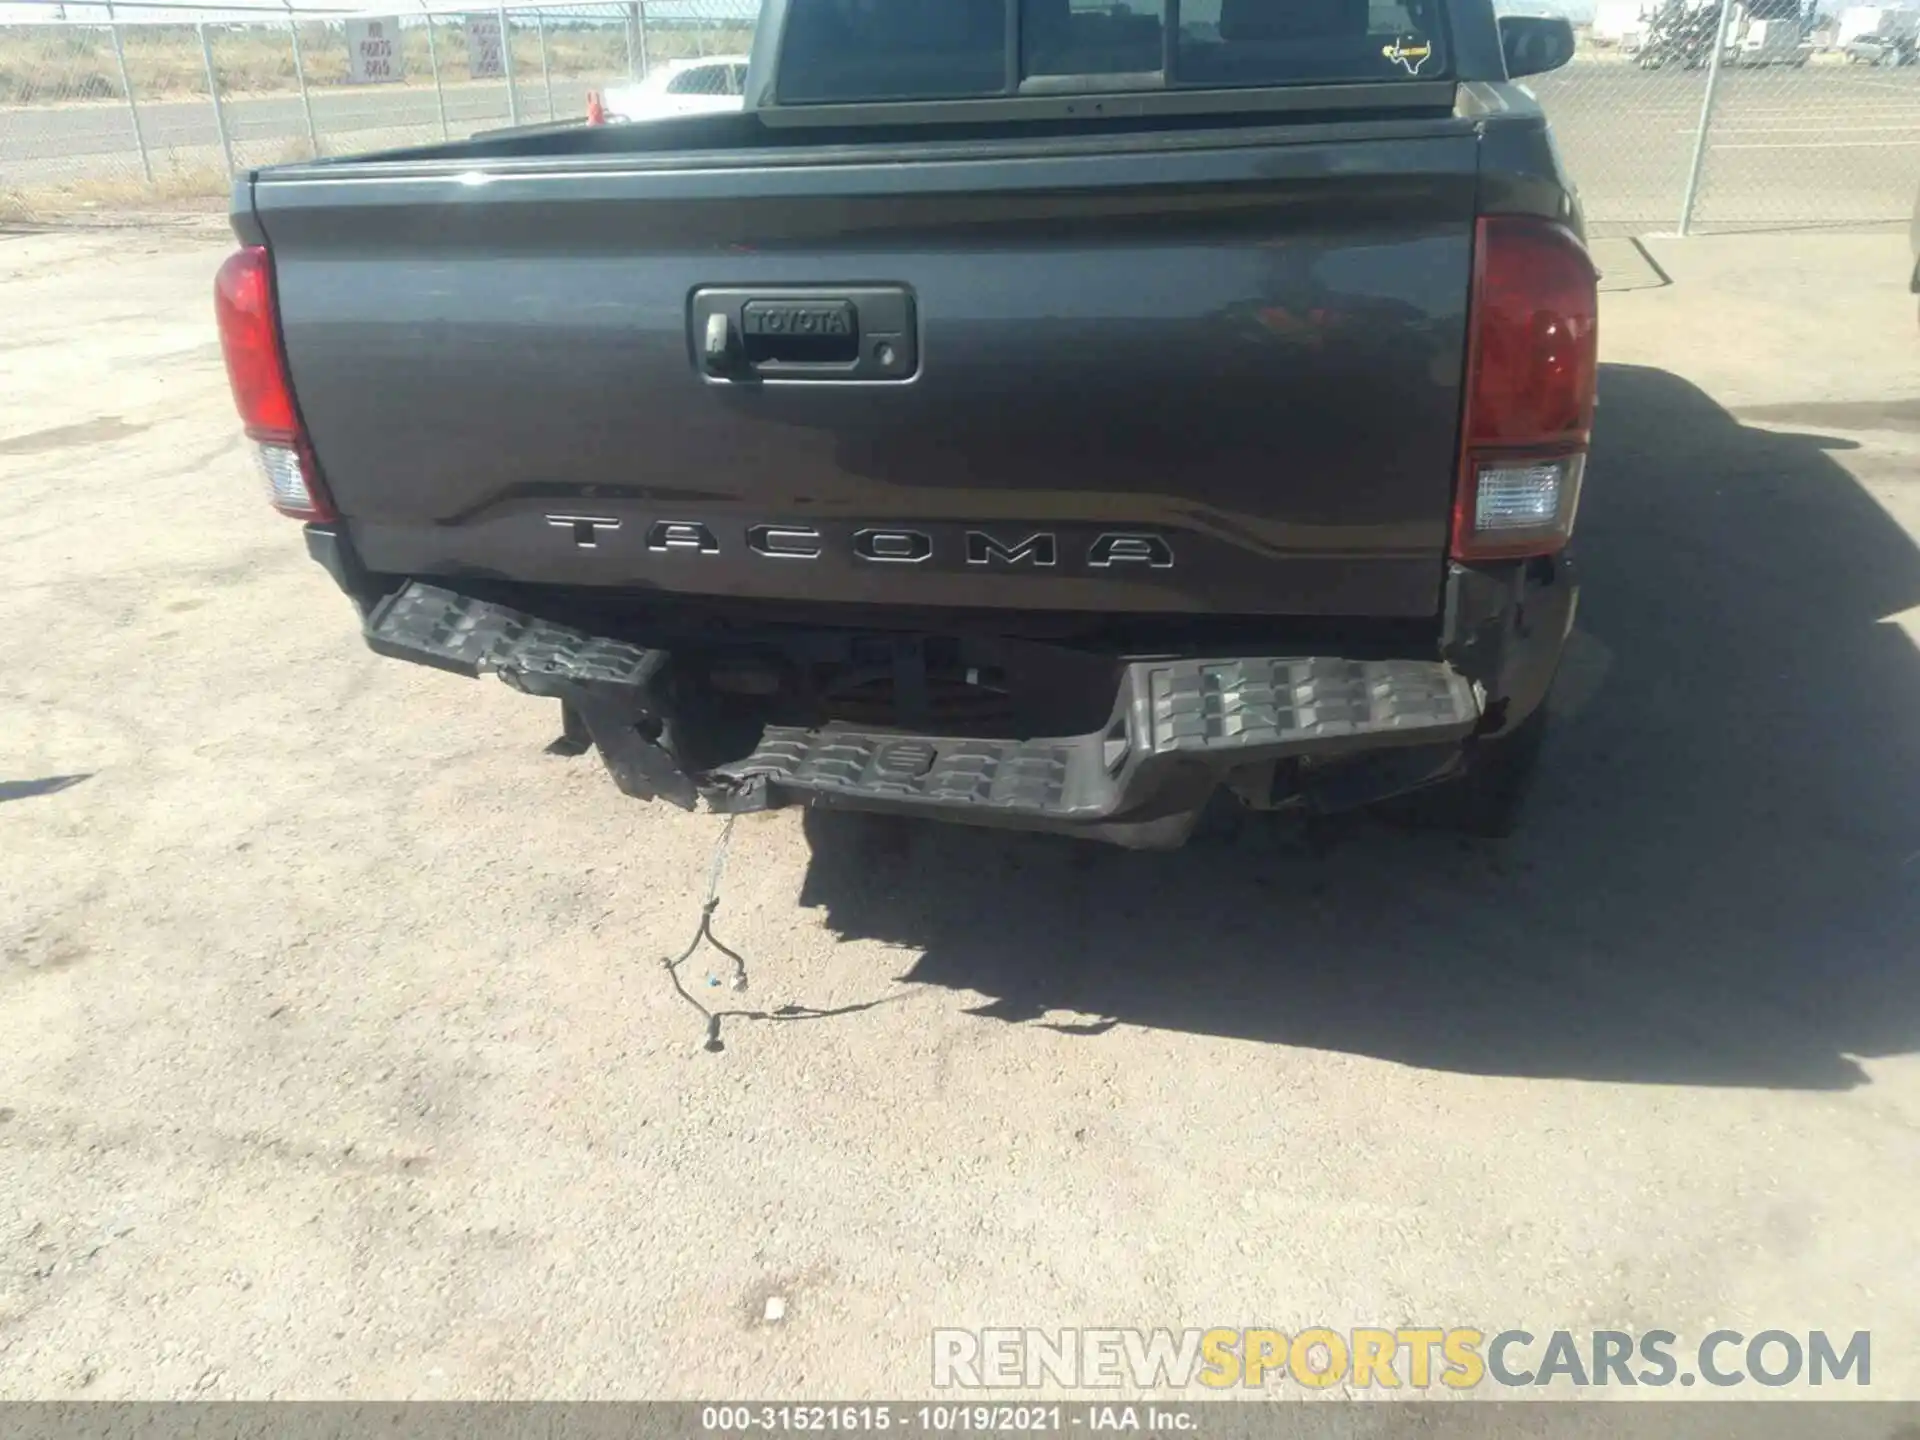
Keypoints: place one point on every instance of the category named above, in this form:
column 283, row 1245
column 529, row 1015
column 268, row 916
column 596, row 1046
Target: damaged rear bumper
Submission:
column 1326, row 730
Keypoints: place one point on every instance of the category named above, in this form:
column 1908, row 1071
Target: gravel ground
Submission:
column 336, row 1059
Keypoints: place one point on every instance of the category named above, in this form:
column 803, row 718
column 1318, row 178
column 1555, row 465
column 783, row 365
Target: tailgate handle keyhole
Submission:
column 800, row 334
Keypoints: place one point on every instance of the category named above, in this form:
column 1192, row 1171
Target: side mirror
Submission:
column 1535, row 44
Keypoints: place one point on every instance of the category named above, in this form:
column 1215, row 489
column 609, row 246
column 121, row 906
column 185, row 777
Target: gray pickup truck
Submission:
column 1036, row 413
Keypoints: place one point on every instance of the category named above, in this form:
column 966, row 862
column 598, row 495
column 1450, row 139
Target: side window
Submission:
column 1277, row 42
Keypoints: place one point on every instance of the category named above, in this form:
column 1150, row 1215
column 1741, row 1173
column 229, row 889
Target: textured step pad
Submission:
column 432, row 626
column 1215, row 704
column 1002, row 774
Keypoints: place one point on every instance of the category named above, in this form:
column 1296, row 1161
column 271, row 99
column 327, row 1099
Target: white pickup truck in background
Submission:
column 1893, row 38
column 682, row 87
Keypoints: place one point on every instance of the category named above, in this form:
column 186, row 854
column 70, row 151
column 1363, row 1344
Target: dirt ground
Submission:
column 336, row 1059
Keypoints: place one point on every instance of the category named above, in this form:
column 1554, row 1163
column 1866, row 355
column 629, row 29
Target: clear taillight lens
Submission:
column 1524, row 507
column 289, row 488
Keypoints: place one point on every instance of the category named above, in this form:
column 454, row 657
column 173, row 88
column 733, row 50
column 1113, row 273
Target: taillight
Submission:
column 1532, row 362
column 243, row 302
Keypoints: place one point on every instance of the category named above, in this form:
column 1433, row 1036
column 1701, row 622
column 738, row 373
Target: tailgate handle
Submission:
column 857, row 333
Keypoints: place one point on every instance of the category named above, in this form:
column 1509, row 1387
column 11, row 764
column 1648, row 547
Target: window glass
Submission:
column 861, row 50
column 853, row 50
column 1091, row 37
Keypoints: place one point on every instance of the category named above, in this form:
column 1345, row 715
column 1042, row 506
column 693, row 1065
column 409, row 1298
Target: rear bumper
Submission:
column 1274, row 729
column 1180, row 730
column 1322, row 732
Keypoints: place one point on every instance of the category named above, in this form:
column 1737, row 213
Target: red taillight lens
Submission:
column 1532, row 362
column 1534, row 354
column 243, row 303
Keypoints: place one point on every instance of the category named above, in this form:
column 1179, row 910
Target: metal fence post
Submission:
column 213, row 93
column 126, row 88
column 506, row 64
column 546, row 74
column 1706, row 119
column 439, row 93
column 306, row 101
column 640, row 23
column 627, row 25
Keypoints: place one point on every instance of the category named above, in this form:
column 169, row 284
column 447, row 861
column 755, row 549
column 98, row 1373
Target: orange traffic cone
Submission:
column 596, row 112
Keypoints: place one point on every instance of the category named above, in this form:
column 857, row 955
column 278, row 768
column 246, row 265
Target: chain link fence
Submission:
column 138, row 107
column 1802, row 120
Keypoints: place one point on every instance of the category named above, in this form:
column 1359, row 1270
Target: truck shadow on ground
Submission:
column 1718, row 881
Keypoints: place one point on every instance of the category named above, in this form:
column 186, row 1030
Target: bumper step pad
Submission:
column 432, row 626
column 1204, row 705
column 1203, row 716
column 1027, row 777
column 602, row 683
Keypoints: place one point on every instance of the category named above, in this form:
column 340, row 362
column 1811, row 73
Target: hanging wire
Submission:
column 716, row 869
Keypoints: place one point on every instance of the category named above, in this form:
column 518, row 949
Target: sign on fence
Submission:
column 373, row 52
column 484, row 61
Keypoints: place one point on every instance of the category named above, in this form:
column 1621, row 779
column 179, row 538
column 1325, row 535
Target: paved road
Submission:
column 337, row 1060
column 1824, row 145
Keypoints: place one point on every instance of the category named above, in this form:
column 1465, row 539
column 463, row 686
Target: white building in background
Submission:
column 1858, row 20
column 1619, row 22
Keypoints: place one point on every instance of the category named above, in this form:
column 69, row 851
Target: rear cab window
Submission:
column 857, row 51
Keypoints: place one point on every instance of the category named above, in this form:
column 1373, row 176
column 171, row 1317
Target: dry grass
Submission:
column 178, row 189
column 55, row 64
column 181, row 183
